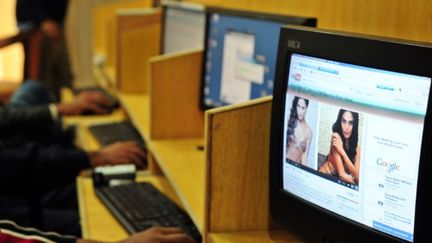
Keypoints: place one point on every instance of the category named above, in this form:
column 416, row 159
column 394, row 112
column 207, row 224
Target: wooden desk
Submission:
column 137, row 107
column 117, row 115
column 184, row 166
column 274, row 236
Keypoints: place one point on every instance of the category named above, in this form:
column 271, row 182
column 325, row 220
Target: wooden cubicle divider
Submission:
column 174, row 92
column 104, row 26
column 237, row 156
column 170, row 110
column 104, row 38
column 138, row 39
column 237, row 160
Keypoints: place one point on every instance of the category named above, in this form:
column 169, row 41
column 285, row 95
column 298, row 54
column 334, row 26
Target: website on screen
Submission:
column 352, row 140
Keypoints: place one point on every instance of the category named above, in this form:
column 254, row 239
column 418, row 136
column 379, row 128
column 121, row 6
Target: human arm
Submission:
column 11, row 232
column 16, row 119
column 91, row 101
column 118, row 153
column 353, row 168
column 337, row 158
column 154, row 235
column 32, row 166
column 33, row 117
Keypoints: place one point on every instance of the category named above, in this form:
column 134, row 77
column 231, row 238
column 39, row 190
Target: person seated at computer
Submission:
column 343, row 160
column 33, row 92
column 299, row 133
column 37, row 157
column 11, row 232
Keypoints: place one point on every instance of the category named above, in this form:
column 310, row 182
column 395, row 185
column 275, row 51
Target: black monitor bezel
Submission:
column 310, row 221
column 298, row 20
column 176, row 5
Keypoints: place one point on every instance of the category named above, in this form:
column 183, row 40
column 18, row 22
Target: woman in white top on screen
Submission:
column 299, row 133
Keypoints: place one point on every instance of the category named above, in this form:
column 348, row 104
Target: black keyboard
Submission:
column 140, row 206
column 118, row 131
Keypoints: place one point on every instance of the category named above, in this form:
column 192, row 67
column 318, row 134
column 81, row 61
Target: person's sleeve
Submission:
column 11, row 232
column 24, row 118
column 39, row 167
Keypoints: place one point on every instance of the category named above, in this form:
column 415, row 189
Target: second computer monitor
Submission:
column 240, row 55
column 183, row 26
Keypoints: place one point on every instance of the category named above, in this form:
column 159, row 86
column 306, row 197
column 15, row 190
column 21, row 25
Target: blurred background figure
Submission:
column 46, row 54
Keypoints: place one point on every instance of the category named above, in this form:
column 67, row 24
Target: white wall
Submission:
column 11, row 57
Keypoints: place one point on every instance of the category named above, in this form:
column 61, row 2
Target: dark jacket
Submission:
column 23, row 119
column 36, row 11
column 28, row 164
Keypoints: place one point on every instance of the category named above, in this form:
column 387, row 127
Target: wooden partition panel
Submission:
column 175, row 83
column 237, row 155
column 103, row 25
column 392, row 18
column 138, row 39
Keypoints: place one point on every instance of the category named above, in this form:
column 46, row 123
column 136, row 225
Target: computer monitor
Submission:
column 350, row 143
column 183, row 26
column 240, row 55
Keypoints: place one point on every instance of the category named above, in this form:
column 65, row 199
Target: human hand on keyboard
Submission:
column 155, row 235
column 119, row 153
column 160, row 235
column 86, row 102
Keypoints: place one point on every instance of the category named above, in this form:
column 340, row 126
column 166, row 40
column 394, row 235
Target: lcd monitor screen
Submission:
column 240, row 55
column 184, row 26
column 341, row 148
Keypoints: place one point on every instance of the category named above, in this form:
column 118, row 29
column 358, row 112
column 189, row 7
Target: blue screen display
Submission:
column 240, row 59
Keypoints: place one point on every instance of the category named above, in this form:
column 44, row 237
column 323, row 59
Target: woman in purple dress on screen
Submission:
column 299, row 134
